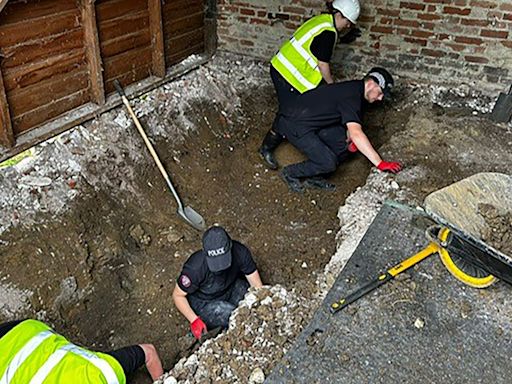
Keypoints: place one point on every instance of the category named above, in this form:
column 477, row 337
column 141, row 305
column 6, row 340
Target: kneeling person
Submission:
column 214, row 280
column 31, row 352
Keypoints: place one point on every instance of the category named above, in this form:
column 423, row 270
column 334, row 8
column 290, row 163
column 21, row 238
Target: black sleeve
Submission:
column 247, row 264
column 191, row 275
column 351, row 114
column 322, row 46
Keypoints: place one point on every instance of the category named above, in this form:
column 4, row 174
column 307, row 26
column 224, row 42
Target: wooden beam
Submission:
column 92, row 51
column 157, row 38
column 2, row 4
column 6, row 133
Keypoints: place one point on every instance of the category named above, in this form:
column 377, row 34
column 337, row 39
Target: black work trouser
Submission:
column 286, row 95
column 325, row 149
column 216, row 312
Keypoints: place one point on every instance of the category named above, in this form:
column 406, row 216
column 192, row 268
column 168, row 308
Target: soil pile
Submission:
column 498, row 230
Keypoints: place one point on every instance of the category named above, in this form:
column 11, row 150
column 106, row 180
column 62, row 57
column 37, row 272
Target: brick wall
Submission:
column 467, row 41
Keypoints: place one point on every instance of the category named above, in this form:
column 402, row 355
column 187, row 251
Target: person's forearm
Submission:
column 184, row 307
column 325, row 70
column 254, row 279
column 366, row 148
column 153, row 363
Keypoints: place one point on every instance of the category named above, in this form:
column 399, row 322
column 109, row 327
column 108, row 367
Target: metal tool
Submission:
column 186, row 213
column 502, row 110
column 385, row 277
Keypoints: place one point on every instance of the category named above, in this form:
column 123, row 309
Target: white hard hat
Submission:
column 349, row 8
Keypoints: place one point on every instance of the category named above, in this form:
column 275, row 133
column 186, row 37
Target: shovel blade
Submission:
column 502, row 110
column 193, row 218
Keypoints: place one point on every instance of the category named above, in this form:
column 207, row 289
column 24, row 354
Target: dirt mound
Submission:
column 498, row 230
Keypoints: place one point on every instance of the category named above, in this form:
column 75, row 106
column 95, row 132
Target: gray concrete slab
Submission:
column 425, row 327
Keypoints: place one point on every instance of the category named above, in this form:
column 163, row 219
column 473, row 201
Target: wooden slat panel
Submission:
column 139, row 39
column 6, row 133
column 22, row 11
column 174, row 28
column 128, row 78
column 110, row 9
column 182, row 43
column 127, row 24
column 46, row 91
column 117, row 65
column 49, row 111
column 41, row 49
column 179, row 56
column 157, row 37
column 26, row 75
column 176, row 9
column 12, row 34
column 92, row 51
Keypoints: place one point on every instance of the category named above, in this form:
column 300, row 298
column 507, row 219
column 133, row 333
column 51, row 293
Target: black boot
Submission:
column 270, row 143
column 293, row 183
column 319, row 183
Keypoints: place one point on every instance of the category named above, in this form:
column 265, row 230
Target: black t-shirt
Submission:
column 322, row 46
column 326, row 106
column 197, row 279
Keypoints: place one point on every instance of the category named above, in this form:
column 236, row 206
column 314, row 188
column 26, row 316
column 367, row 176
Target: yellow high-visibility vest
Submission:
column 295, row 62
column 31, row 353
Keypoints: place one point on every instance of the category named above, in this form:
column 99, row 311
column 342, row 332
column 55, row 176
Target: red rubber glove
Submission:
column 198, row 327
column 390, row 166
column 352, row 147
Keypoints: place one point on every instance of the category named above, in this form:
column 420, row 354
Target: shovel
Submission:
column 502, row 110
column 186, row 213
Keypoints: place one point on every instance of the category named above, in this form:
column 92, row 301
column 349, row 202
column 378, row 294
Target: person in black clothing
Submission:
column 214, row 280
column 344, row 16
column 326, row 125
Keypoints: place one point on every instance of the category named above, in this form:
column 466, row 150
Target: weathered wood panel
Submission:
column 6, row 133
column 183, row 29
column 57, row 55
column 121, row 23
column 42, row 42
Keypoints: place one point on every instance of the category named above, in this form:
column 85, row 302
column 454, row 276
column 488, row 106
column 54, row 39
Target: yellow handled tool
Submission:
column 385, row 277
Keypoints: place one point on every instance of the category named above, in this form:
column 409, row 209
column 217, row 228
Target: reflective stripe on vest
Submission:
column 23, row 354
column 295, row 62
column 58, row 355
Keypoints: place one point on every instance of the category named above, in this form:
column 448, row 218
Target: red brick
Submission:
column 483, row 4
column 247, row 11
column 477, row 22
column 457, row 11
column 495, row 34
column 390, row 47
column 388, row 12
column 259, row 21
column 425, row 25
column 442, row 36
column 247, row 43
column 291, row 25
column 386, row 20
column 366, row 19
column 408, row 5
column 468, row 40
column 243, row 19
column 423, row 34
column 407, row 23
column 461, row 3
column 296, row 10
column 506, row 7
column 262, row 13
column 432, row 52
column 431, row 8
column 403, row 31
column 380, row 29
column 438, row 1
column 476, row 59
column 421, row 42
column 507, row 43
column 428, row 16
column 507, row 16
column 456, row 47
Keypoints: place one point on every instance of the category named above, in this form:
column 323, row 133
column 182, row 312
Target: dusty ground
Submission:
column 89, row 238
